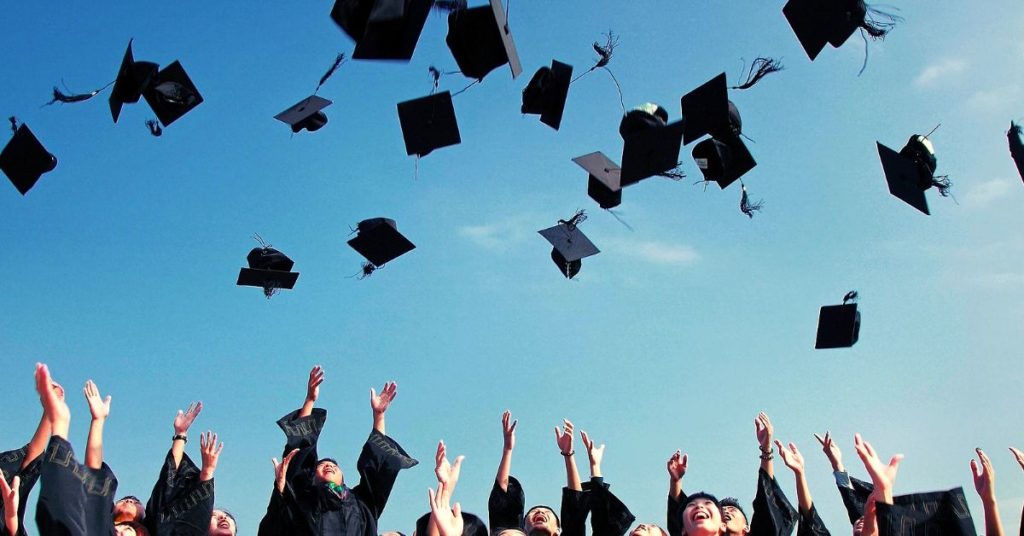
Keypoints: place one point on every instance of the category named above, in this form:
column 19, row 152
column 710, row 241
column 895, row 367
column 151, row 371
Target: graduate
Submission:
column 608, row 515
column 19, row 471
column 310, row 494
column 810, row 523
column 701, row 515
column 447, row 474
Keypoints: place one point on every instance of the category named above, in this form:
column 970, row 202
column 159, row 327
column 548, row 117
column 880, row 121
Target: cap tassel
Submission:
column 14, row 124
column 154, row 127
column 575, row 220
column 850, row 296
column 760, row 68
column 615, row 214
column 746, row 206
column 676, row 173
column 877, row 28
column 338, row 60
column 942, row 184
column 605, row 52
column 63, row 98
column 269, row 289
column 365, row 271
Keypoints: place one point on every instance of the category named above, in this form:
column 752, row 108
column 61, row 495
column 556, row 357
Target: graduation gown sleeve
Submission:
column 608, row 515
column 773, row 514
column 937, row 512
column 11, row 463
column 379, row 463
column 180, row 504
column 574, row 510
column 505, row 509
column 73, row 499
column 280, row 519
column 674, row 516
column 811, row 524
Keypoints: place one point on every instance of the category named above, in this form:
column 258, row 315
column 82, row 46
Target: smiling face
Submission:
column 222, row 524
column 129, row 509
column 645, row 529
column 328, row 471
column 734, row 520
column 701, row 517
column 541, row 519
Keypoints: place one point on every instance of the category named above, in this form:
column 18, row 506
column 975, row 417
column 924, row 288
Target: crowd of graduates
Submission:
column 311, row 495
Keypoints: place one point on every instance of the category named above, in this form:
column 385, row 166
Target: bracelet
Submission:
column 182, row 437
column 567, row 455
column 765, row 450
column 767, row 456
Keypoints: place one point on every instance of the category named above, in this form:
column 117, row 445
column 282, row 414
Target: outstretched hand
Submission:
column 184, row 419
column 763, row 429
column 11, row 499
column 51, row 396
column 281, row 469
column 595, row 452
column 211, row 453
column 446, row 473
column 677, row 465
column 98, row 406
column 831, row 449
column 380, row 403
column 448, row 520
column 791, row 457
column 508, row 429
column 883, row 476
column 316, row 377
column 984, row 477
column 563, row 438
column 1019, row 455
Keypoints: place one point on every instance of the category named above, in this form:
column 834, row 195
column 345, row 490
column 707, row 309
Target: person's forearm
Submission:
column 504, row 469
column 177, row 450
column 572, row 474
column 993, row 525
column 11, row 522
column 378, row 423
column 94, row 447
column 595, row 469
column 675, row 487
column 803, row 494
column 307, row 408
column 766, row 463
column 38, row 443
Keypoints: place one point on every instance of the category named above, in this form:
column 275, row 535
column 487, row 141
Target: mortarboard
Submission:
column 379, row 241
column 707, row 110
column 1016, row 138
column 480, row 40
column 570, row 245
column 132, row 79
column 172, row 94
column 382, row 29
column 546, row 93
column 723, row 161
column 306, row 114
column 24, row 159
column 839, row 325
column 428, row 123
column 268, row 268
column 650, row 152
column 820, row 22
column 901, row 173
column 603, row 184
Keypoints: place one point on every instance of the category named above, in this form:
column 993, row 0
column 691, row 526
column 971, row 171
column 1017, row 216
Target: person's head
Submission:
column 648, row 529
column 733, row 516
column 858, row 526
column 222, row 523
column 129, row 508
column 702, row 516
column 541, row 520
column 130, row 528
column 510, row 532
column 394, row 533
column 327, row 470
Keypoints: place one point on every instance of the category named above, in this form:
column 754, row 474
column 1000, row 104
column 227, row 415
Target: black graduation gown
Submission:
column 811, row 524
column 574, row 510
column 180, row 504
column 937, row 512
column 505, row 509
column 773, row 514
column 73, row 499
column 855, row 497
column 674, row 516
column 473, row 525
column 608, row 515
column 321, row 511
column 10, row 463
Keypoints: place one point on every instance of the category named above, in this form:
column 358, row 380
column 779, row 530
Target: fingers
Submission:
column 976, row 471
column 458, row 464
column 457, row 510
column 685, row 459
column 4, row 488
column 439, row 456
column 820, row 439
column 289, row 456
column 586, row 440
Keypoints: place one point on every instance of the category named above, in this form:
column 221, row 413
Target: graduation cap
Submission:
column 546, row 93
column 382, row 29
column 910, row 172
column 1016, row 138
column 817, row 23
column 306, row 114
column 723, row 161
column 839, row 325
column 268, row 268
column 24, row 159
column 480, row 40
column 650, row 146
column 603, row 183
column 428, row 123
column 706, row 110
column 172, row 94
column 570, row 245
column 379, row 241
column 133, row 77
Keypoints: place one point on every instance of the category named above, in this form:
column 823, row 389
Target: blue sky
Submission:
column 120, row 264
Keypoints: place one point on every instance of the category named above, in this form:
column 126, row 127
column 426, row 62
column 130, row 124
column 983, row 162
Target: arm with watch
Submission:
column 773, row 514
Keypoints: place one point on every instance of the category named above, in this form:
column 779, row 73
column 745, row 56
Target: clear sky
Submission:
column 120, row 265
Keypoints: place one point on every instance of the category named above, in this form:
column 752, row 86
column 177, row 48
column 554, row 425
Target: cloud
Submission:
column 655, row 252
column 936, row 71
column 499, row 236
column 983, row 194
column 994, row 99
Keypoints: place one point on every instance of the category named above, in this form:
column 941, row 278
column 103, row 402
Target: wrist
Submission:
column 206, row 474
column 180, row 437
column 567, row 454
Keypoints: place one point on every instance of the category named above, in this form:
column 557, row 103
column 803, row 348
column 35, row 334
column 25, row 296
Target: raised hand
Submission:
column 98, row 406
column 764, row 431
column 316, row 377
column 448, row 520
column 51, row 396
column 184, row 419
column 596, row 454
column 281, row 469
column 791, row 457
column 831, row 449
column 883, row 476
column 677, row 465
column 1019, row 455
column 564, row 438
column 11, row 501
column 984, row 476
column 211, row 453
column 508, row 427
column 380, row 403
column 446, row 473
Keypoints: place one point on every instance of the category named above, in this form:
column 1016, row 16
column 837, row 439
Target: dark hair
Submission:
column 227, row 513
column 701, row 495
column 733, row 502
column 139, row 528
column 558, row 522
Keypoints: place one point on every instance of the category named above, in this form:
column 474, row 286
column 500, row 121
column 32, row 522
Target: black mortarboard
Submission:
column 382, row 29
column 268, row 268
column 570, row 245
column 480, row 41
column 379, row 241
column 818, row 22
column 172, row 94
column 838, row 325
column 1016, row 138
column 24, row 159
column 723, row 161
column 546, row 93
column 306, row 114
column 936, row 512
column 650, row 152
column 132, row 79
column 707, row 110
column 428, row 123
column 901, row 173
column 603, row 184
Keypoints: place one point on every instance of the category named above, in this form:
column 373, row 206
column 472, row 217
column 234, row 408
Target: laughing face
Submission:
column 541, row 519
column 734, row 520
column 222, row 524
column 702, row 518
column 644, row 529
column 328, row 471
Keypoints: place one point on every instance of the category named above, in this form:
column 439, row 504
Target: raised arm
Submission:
column 832, row 452
column 11, row 502
column 281, row 470
column 211, row 453
column 182, row 421
column 795, row 461
column 985, row 484
column 100, row 409
column 763, row 428
column 446, row 519
column 316, row 377
column 51, row 396
column 379, row 404
column 595, row 453
column 676, row 471
column 882, row 476
column 564, row 440
column 508, row 427
column 37, row 444
column 447, row 478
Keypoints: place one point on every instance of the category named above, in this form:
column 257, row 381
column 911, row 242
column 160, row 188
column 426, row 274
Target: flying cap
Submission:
column 306, row 114
column 706, row 110
column 603, row 183
column 133, row 78
column 570, row 245
column 839, row 325
column 428, row 123
column 382, row 29
column 650, row 152
column 172, row 94
column 723, row 162
column 818, row 22
column 268, row 268
column 1015, row 136
column 480, row 40
column 24, row 159
column 546, row 93
column 379, row 241
column 901, row 174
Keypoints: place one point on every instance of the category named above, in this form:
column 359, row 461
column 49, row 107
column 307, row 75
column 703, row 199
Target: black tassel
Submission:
column 14, row 124
column 269, row 290
column 367, row 270
column 63, row 98
column 676, row 174
column 615, row 214
column 760, row 68
column 435, row 75
column 850, row 296
column 878, row 23
column 942, row 184
column 606, row 50
column 154, row 127
column 746, row 206
column 575, row 220
column 449, row 5
column 338, row 60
